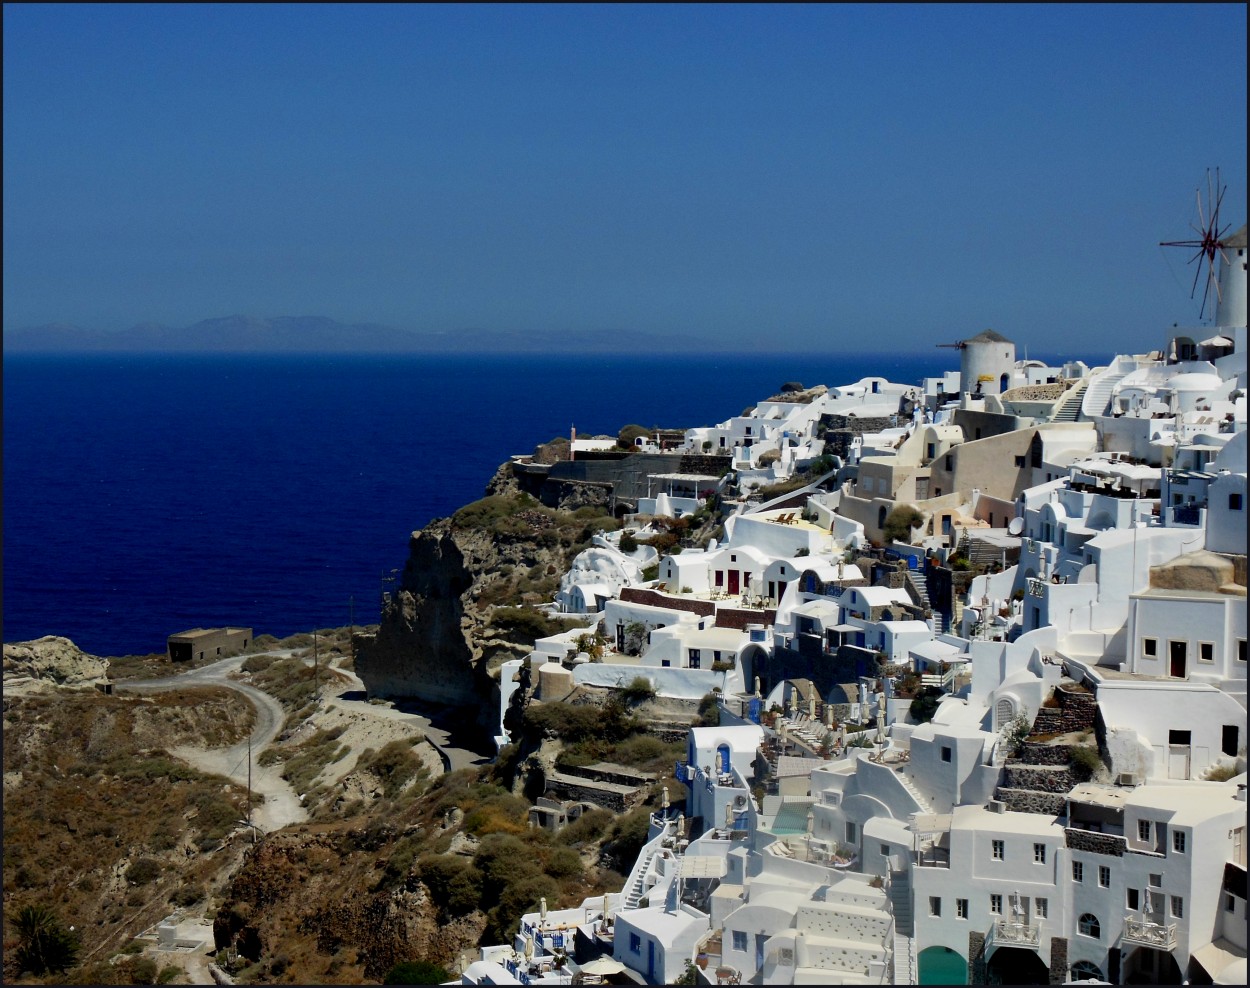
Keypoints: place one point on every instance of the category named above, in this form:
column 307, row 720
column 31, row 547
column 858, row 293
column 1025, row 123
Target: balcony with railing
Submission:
column 1010, row 933
column 1145, row 933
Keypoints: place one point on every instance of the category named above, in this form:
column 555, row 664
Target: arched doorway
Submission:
column 941, row 966
column 1147, row 966
column 1016, row 966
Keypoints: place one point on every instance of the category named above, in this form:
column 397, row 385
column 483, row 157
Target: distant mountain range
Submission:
column 318, row 334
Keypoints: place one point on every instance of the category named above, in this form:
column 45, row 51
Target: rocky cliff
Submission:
column 53, row 659
column 462, row 604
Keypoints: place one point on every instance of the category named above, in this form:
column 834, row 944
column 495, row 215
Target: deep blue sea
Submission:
column 145, row 495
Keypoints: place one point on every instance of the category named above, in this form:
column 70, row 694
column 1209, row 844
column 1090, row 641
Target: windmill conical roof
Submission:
column 988, row 336
column 1236, row 239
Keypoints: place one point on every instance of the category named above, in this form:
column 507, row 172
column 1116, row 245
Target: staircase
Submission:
column 920, row 586
column 1098, row 394
column 914, row 792
column 904, row 928
column 1068, row 409
column 638, row 886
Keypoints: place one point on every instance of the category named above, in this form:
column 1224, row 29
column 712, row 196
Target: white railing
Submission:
column 1008, row 932
column 1150, row 934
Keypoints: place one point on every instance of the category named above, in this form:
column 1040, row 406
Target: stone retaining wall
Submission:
column 1084, row 840
column 1029, row 801
column 1039, row 778
column 1041, row 753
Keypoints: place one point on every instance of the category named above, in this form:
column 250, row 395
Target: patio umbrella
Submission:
column 603, row 966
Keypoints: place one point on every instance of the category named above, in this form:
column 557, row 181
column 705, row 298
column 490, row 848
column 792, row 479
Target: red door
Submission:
column 733, row 581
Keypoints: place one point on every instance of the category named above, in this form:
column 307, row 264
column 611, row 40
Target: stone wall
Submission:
column 1085, row 840
column 976, row 958
column 1042, row 753
column 1040, row 778
column 1029, row 801
column 1059, row 960
column 738, row 618
column 653, row 598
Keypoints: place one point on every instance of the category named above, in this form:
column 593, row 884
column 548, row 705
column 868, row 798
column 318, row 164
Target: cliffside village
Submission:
column 1004, row 745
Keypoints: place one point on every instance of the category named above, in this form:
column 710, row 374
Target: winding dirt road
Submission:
column 275, row 805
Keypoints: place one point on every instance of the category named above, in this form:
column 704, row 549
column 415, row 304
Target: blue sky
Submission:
column 868, row 177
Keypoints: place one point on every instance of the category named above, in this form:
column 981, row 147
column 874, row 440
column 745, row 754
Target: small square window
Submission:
column 935, row 905
column 996, row 904
column 740, row 940
column 961, row 908
column 1206, row 651
column 1039, row 853
column 1178, row 907
column 1078, row 871
column 1156, row 881
column 1234, row 502
column 1041, row 907
column 1150, row 648
column 1104, row 877
column 997, row 849
column 1178, row 841
column 1019, row 461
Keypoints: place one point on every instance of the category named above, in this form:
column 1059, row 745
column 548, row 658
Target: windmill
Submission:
column 1210, row 240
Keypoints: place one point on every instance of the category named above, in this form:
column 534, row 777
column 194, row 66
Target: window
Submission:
column 635, row 943
column 935, row 905
column 1178, row 841
column 1104, row 877
column 720, row 577
column 1206, row 651
column 946, row 753
column 694, row 658
column 1088, row 926
column 1078, row 871
column 996, row 904
column 740, row 940
column 1150, row 648
column 1086, row 971
column 1241, row 650
column 1178, row 907
column 885, row 850
column 850, row 833
column 1229, row 736
column 1019, row 461
column 961, row 908
column 1155, row 881
column 997, row 849
column 1041, row 907
column 1143, row 830
column 1234, row 502
column 1039, row 853
column 950, row 460
column 1230, row 902
column 1132, row 899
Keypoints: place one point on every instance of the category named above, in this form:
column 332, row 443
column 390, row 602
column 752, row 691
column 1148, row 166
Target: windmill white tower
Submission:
column 1215, row 243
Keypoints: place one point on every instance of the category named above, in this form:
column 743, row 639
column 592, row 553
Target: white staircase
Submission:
column 1098, row 393
column 638, row 879
column 1068, row 408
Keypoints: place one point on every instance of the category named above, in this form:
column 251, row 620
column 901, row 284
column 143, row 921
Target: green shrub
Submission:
column 416, row 973
column 900, row 522
column 628, row 543
column 1084, row 763
column 455, row 885
column 143, row 871
column 395, row 764
column 43, row 942
column 529, row 623
column 639, row 689
column 925, row 705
